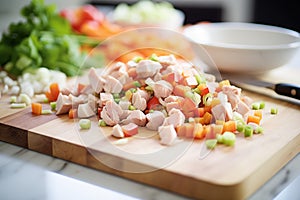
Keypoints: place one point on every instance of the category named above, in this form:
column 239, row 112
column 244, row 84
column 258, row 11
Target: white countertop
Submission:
column 25, row 174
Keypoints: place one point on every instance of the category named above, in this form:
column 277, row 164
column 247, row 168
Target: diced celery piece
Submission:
column 18, row 105
column 219, row 138
column 274, row 111
column 13, row 99
column 85, row 123
column 248, row 131
column 102, row 123
column 262, row 105
column 240, row 127
column 255, row 106
column 211, row 143
column 46, row 112
column 53, row 105
column 229, row 138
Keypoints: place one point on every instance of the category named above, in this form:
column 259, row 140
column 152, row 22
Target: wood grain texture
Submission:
column 234, row 172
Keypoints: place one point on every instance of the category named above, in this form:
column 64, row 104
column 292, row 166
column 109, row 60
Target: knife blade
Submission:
column 285, row 89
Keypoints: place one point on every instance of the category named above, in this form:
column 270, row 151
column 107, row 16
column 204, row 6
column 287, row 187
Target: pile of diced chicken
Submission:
column 161, row 93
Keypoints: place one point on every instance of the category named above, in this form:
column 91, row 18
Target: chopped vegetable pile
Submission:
column 145, row 11
column 164, row 94
column 42, row 39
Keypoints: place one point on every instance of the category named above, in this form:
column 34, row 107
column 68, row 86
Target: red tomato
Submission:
column 152, row 103
column 90, row 13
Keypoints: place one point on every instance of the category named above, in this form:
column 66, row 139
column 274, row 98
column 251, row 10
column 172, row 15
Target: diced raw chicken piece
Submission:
column 138, row 101
column 175, row 118
column 147, row 68
column 87, row 90
column 167, row 60
column 247, row 100
column 171, row 105
column 233, row 93
column 155, row 120
column 162, row 89
column 124, row 104
column 242, row 108
column 112, row 85
column 63, row 104
column 130, row 129
column 176, row 70
column 173, row 98
column 104, row 97
column 111, row 113
column 123, row 117
column 143, row 94
column 117, row 131
column 85, row 111
column 96, row 81
column 222, row 111
column 76, row 100
column 137, row 117
column 116, row 67
column 92, row 101
column 167, row 134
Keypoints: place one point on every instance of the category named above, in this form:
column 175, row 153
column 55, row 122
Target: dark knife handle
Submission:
column 289, row 90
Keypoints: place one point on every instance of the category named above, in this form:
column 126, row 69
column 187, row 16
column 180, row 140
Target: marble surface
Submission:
column 28, row 175
column 25, row 174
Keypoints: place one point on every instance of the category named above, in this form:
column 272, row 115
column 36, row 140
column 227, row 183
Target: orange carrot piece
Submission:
column 54, row 90
column 198, row 131
column 73, row 113
column 253, row 119
column 258, row 113
column 207, row 118
column 229, row 126
column 36, row 108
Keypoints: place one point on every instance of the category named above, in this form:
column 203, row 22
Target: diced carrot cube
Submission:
column 229, row 126
column 198, row 131
column 36, row 108
column 253, row 119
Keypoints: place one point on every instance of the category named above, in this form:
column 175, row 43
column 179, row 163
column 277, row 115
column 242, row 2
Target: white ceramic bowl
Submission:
column 243, row 47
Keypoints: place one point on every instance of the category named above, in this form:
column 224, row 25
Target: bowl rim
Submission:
column 244, row 26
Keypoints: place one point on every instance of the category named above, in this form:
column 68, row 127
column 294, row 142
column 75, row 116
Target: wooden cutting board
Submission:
column 186, row 168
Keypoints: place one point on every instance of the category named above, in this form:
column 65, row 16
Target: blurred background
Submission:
column 272, row 12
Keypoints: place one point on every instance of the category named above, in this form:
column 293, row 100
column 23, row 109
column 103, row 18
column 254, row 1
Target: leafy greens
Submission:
column 43, row 39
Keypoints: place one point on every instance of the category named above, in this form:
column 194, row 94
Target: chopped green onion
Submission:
column 53, row 105
column 18, row 105
column 13, row 99
column 137, row 84
column 211, row 143
column 151, row 111
column 149, row 88
column 207, row 99
column 196, row 90
column 248, row 131
column 229, row 138
column 131, row 107
column 154, row 57
column 101, row 122
column 116, row 95
column 274, row 111
column 199, row 79
column 133, row 90
column 46, row 112
column 117, row 100
column 85, row 123
column 137, row 59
